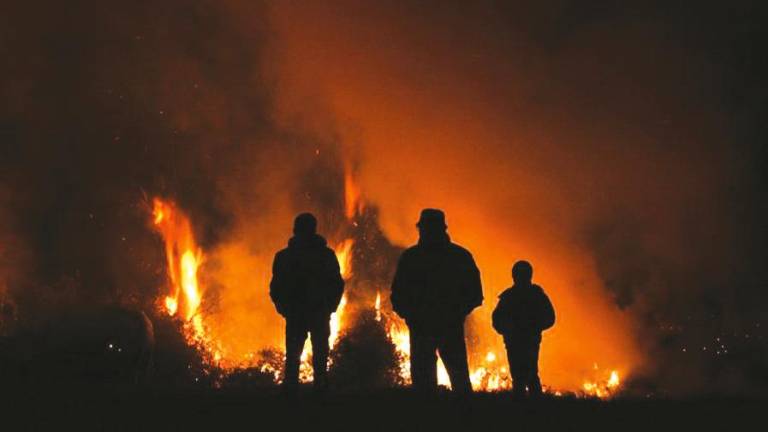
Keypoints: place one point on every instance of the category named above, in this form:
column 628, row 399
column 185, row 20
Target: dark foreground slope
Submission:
column 267, row 410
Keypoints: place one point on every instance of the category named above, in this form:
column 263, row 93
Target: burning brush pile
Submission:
column 369, row 343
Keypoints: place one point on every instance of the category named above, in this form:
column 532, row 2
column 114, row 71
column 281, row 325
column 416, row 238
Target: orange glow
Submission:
column 186, row 296
column 353, row 203
column 171, row 305
column 336, row 322
column 344, row 255
column 183, row 259
column 602, row 388
column 424, row 137
column 306, row 369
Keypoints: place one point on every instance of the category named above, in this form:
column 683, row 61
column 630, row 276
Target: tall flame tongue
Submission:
column 344, row 256
column 183, row 262
column 353, row 202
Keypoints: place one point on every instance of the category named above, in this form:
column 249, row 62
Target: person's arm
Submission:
column 473, row 288
column 500, row 318
column 277, row 284
column 547, row 313
column 335, row 281
column 399, row 295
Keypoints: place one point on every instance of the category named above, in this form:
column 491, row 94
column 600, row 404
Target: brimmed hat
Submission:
column 432, row 217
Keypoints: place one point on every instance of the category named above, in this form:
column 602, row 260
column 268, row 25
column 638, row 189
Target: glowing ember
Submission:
column 378, row 306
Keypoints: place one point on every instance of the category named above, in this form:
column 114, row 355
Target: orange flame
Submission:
column 336, row 322
column 491, row 375
column 344, row 255
column 183, row 262
column 602, row 388
column 353, row 203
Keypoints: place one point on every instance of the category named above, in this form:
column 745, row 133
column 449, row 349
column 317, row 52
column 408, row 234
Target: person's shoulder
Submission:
column 538, row 289
column 411, row 251
column 282, row 253
column 328, row 252
column 460, row 250
column 507, row 293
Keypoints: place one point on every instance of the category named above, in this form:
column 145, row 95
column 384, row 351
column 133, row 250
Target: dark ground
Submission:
column 66, row 408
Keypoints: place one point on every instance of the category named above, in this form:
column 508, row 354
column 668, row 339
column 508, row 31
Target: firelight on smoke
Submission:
column 186, row 297
column 344, row 256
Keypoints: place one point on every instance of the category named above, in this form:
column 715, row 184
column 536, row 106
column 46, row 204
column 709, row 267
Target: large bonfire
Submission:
column 185, row 298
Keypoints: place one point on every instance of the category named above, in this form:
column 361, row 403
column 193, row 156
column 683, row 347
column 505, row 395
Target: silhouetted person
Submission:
column 436, row 286
column 523, row 312
column 306, row 288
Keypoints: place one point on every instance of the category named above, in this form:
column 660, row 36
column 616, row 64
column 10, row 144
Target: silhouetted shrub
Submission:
column 364, row 357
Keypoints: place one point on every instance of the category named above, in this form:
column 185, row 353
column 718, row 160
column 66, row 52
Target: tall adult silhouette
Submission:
column 435, row 287
column 523, row 312
column 306, row 289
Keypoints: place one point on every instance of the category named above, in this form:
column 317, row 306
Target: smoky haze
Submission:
column 619, row 148
column 616, row 147
column 107, row 105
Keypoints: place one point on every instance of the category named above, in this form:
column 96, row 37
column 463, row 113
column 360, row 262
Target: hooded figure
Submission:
column 435, row 287
column 306, row 289
column 523, row 312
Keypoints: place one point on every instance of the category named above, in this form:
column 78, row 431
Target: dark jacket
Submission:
column 436, row 282
column 306, row 280
column 523, row 311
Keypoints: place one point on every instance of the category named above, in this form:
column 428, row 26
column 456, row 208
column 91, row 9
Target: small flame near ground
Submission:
column 602, row 388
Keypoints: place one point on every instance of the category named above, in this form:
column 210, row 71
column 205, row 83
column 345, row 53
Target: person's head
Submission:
column 522, row 272
column 305, row 225
column 431, row 223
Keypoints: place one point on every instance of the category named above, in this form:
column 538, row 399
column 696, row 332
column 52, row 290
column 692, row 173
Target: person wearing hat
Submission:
column 306, row 289
column 436, row 285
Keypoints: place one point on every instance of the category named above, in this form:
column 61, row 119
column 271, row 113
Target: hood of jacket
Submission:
column 315, row 241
